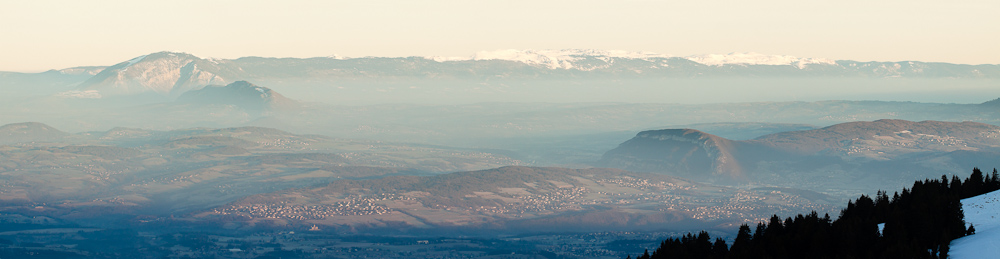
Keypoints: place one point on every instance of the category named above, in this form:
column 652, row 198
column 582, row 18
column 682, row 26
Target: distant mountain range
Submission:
column 871, row 154
column 171, row 74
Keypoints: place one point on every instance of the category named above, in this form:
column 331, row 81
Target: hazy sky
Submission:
column 41, row 35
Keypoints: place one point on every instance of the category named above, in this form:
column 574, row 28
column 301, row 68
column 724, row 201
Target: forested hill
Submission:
column 919, row 222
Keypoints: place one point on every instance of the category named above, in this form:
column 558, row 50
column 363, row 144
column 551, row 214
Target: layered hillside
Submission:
column 886, row 139
column 855, row 152
column 516, row 199
column 252, row 177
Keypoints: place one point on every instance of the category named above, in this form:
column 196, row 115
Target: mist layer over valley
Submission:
column 541, row 145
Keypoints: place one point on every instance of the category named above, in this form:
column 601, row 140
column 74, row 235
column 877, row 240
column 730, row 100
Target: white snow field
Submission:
column 983, row 212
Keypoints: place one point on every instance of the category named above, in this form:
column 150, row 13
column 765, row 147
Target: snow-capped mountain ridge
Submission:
column 170, row 74
column 752, row 58
column 564, row 58
column 560, row 58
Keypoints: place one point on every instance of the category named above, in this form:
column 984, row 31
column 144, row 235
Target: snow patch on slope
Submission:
column 983, row 212
column 751, row 58
column 134, row 60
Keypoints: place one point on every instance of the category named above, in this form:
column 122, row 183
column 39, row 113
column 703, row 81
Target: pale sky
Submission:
column 54, row 34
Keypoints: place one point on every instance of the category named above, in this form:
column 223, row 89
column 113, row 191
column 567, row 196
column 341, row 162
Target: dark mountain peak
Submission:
column 29, row 132
column 994, row 103
column 243, row 85
column 680, row 135
column 686, row 153
column 243, row 94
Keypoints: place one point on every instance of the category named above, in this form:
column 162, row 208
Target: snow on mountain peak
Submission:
column 564, row 58
column 558, row 58
column 337, row 57
column 549, row 58
column 446, row 59
column 752, row 58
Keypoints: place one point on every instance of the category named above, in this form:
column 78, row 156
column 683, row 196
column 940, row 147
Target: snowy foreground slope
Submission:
column 983, row 212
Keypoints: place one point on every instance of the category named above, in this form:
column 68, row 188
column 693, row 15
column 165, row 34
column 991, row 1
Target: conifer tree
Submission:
column 920, row 222
column 741, row 245
column 719, row 248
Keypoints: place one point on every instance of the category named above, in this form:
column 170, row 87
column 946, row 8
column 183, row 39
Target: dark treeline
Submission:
column 920, row 222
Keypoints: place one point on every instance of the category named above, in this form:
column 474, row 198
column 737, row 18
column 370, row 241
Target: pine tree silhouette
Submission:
column 920, row 222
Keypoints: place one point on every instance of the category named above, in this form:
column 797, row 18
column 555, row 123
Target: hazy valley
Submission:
column 402, row 152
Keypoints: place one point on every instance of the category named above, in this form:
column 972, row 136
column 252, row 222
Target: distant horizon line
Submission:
column 706, row 59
